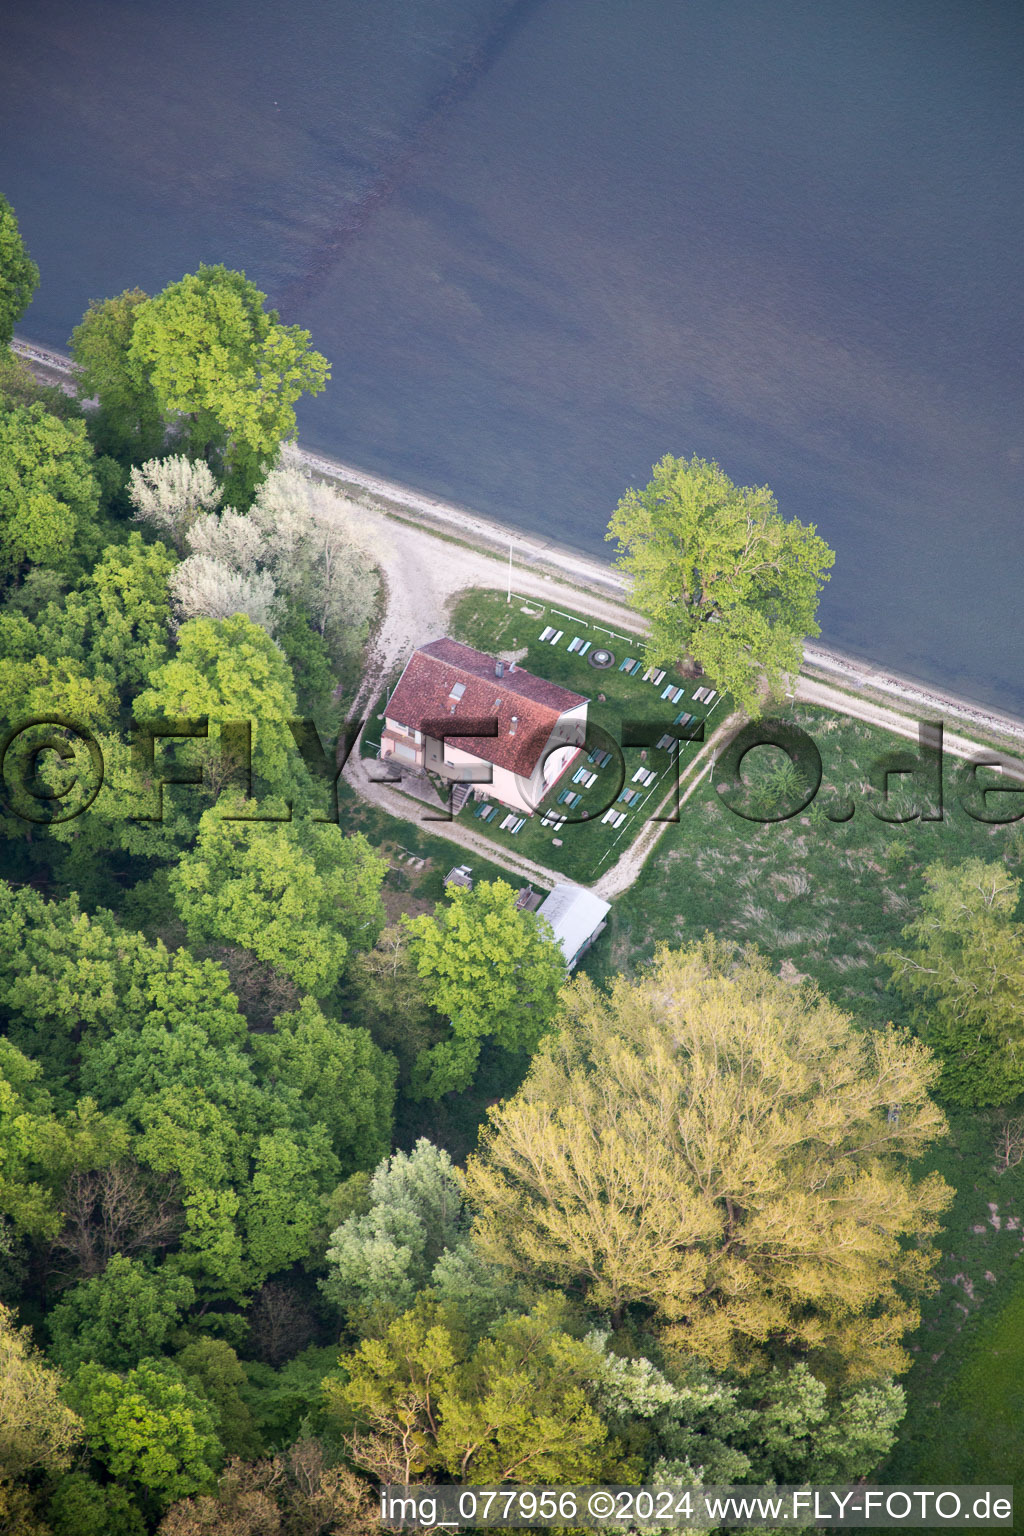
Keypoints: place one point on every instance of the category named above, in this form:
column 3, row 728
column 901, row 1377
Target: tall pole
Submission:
column 509, row 598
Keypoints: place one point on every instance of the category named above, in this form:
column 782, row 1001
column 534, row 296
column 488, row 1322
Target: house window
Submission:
column 404, row 730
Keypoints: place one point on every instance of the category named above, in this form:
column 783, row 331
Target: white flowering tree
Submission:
column 169, row 494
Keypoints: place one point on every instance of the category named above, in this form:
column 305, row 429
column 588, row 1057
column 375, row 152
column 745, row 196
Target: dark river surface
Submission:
column 544, row 242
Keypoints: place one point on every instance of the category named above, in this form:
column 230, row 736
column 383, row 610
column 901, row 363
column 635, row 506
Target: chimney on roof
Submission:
column 499, row 669
column 512, row 725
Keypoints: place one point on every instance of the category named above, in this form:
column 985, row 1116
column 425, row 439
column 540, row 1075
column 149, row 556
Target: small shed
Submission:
column 577, row 917
column 460, row 875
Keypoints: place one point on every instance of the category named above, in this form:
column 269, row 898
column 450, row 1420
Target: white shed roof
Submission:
column 575, row 915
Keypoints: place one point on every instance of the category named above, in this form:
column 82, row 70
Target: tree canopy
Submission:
column 117, row 620
column 382, row 1256
column 169, row 494
column 297, row 893
column 228, row 365
column 19, row 275
column 130, row 424
column 719, row 1147
column 515, row 1407
column 720, row 577
column 48, row 491
column 37, row 1428
column 229, row 671
column 118, row 1316
column 493, row 970
column 149, row 1427
column 964, row 973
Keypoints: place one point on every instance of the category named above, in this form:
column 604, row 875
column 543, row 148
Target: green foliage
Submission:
column 119, row 1316
column 283, row 1210
column 215, row 1370
column 66, row 976
column 215, row 354
column 336, row 1076
column 780, row 1426
column 282, row 1398
column 150, row 1427
column 39, row 1149
column 19, row 275
column 382, row 1257
column 799, row 1433
column 129, row 423
column 313, row 668
column 229, row 670
column 298, row 894
column 965, row 974
column 389, row 996
column 117, row 623
column 493, row 970
column 720, row 576
column 718, row 1146
column 516, row 1406
column 37, row 1428
column 59, row 689
column 49, row 494
column 137, row 1062
column 80, row 1507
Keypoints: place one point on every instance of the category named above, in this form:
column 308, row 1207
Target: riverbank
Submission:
column 843, row 674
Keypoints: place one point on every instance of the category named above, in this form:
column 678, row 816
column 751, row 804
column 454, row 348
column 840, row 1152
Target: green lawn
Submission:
column 585, row 846
column 965, row 1390
column 824, row 896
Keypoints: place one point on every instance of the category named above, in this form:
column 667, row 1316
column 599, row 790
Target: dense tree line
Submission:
column 239, row 1282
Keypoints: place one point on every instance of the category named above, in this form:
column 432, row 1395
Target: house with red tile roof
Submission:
column 472, row 718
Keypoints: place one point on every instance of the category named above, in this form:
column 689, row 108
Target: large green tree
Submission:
column 19, row 275
column 493, row 970
column 229, row 671
column 129, row 423
column 219, row 1374
column 298, row 894
column 150, row 1427
column 69, row 976
column 721, row 578
column 228, row 365
column 48, row 490
column 336, row 1077
column 117, row 621
column 963, row 971
column 728, row 1151
column 119, row 1316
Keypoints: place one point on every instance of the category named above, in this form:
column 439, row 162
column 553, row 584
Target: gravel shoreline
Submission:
column 488, row 535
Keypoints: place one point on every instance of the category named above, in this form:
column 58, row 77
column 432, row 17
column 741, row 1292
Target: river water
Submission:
column 544, row 242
